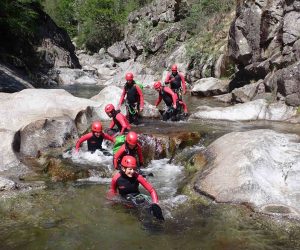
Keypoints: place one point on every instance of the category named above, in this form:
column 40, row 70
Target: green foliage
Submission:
column 63, row 14
column 96, row 23
column 201, row 12
column 18, row 17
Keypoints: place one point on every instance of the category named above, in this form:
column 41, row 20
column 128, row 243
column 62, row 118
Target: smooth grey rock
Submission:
column 258, row 167
column 210, row 86
column 254, row 110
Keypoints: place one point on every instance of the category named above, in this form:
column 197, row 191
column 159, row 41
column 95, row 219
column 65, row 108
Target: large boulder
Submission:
column 210, row 87
column 260, row 168
column 47, row 133
column 20, row 131
column 254, row 110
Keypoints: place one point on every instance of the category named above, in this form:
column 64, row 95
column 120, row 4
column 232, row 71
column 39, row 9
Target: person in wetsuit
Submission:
column 95, row 138
column 130, row 147
column 171, row 100
column 176, row 81
column 118, row 119
column 134, row 99
column 126, row 182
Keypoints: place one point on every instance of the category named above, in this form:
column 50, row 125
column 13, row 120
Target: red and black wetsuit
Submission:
column 130, row 185
column 120, row 120
column 93, row 142
column 169, row 97
column 125, row 150
column 133, row 94
column 176, row 80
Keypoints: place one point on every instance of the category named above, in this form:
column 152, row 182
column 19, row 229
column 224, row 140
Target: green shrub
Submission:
column 17, row 17
column 201, row 12
column 96, row 23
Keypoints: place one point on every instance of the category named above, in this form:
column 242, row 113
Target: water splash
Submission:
column 166, row 177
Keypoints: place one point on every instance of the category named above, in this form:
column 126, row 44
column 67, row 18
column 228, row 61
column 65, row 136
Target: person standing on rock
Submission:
column 171, row 100
column 118, row 119
column 94, row 139
column 176, row 81
column 134, row 99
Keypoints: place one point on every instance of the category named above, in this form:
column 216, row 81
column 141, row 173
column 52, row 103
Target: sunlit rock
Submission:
column 210, row 87
column 6, row 184
column 20, row 109
column 47, row 133
column 254, row 110
column 259, row 167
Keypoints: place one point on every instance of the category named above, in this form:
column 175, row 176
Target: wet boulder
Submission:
column 46, row 134
column 259, row 167
column 156, row 146
column 22, row 108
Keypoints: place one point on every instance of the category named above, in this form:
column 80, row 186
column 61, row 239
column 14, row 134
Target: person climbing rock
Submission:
column 134, row 99
column 130, row 147
column 171, row 100
column 126, row 182
column 95, row 138
column 118, row 119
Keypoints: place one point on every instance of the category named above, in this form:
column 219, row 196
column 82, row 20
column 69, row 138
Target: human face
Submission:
column 128, row 171
column 97, row 134
column 157, row 89
column 109, row 114
column 131, row 146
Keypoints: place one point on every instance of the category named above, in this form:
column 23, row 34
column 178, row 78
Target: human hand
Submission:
column 155, row 210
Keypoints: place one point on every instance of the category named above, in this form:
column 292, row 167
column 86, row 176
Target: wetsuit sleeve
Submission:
column 171, row 93
column 123, row 123
column 122, row 97
column 113, row 187
column 112, row 124
column 139, row 151
column 149, row 188
column 138, row 89
column 117, row 155
column 82, row 139
column 157, row 102
column 185, row 110
column 108, row 137
column 183, row 82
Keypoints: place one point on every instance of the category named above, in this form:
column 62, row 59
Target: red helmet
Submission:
column 132, row 138
column 109, row 108
column 129, row 77
column 97, row 127
column 157, row 85
column 174, row 68
column 128, row 161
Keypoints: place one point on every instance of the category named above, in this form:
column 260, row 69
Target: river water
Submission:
column 76, row 215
